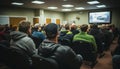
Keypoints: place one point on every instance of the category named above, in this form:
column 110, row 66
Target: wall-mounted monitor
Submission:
column 101, row 17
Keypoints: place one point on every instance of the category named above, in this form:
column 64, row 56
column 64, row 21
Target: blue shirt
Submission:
column 38, row 35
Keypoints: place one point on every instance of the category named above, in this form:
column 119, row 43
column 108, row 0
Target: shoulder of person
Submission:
column 26, row 39
column 62, row 48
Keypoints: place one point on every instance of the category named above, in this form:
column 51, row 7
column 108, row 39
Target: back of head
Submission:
column 73, row 27
column 36, row 26
column 2, row 28
column 84, row 27
column 14, row 28
column 51, row 30
column 24, row 26
column 67, row 26
column 95, row 26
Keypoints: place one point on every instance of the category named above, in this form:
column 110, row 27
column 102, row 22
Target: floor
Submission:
column 106, row 61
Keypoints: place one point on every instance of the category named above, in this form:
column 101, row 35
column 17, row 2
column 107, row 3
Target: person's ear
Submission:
column 29, row 31
column 58, row 33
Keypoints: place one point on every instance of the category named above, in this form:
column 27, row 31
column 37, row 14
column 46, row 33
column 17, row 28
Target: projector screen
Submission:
column 99, row 17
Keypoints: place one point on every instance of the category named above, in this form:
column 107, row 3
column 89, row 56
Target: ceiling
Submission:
column 59, row 3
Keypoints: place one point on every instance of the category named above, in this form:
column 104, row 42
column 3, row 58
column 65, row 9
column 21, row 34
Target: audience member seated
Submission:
column 74, row 29
column 108, row 36
column 13, row 58
column 37, row 36
column 99, row 38
column 116, row 58
column 64, row 55
column 114, row 30
column 20, row 39
column 116, row 61
column 85, row 37
column 66, row 36
column 4, row 37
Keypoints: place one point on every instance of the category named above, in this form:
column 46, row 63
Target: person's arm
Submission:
column 31, row 46
column 94, row 43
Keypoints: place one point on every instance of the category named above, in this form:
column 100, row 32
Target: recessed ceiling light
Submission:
column 79, row 8
column 52, row 7
column 101, row 6
column 16, row 3
column 38, row 2
column 64, row 0
column 93, row 2
column 66, row 9
column 68, row 5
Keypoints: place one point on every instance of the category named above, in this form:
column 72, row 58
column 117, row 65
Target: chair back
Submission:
column 40, row 62
column 13, row 58
column 86, row 49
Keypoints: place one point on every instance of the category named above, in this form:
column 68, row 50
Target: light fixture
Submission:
column 17, row 3
column 101, row 6
column 38, row 2
column 52, row 7
column 66, row 9
column 93, row 2
column 64, row 0
column 68, row 5
column 79, row 8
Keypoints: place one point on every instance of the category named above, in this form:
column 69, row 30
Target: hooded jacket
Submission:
column 64, row 55
column 20, row 40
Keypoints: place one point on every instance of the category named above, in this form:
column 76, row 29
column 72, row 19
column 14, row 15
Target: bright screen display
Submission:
column 100, row 17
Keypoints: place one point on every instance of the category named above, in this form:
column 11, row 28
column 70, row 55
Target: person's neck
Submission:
column 54, row 40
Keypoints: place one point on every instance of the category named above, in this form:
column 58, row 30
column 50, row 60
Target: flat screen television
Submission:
column 101, row 17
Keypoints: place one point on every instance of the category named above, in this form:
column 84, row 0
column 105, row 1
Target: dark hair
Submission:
column 24, row 26
column 2, row 28
column 51, row 30
column 84, row 27
column 95, row 26
column 14, row 28
column 67, row 26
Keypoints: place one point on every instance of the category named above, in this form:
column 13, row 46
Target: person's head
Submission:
column 14, row 28
column 73, row 27
column 2, row 28
column 95, row 26
column 67, row 26
column 24, row 26
column 84, row 27
column 51, row 30
column 37, row 27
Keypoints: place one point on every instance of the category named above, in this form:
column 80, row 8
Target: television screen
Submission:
column 100, row 17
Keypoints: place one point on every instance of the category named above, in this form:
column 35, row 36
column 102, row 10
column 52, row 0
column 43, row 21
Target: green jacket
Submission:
column 85, row 37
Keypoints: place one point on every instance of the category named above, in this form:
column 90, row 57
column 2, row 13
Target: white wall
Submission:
column 29, row 13
column 71, row 16
column 68, row 16
column 116, row 17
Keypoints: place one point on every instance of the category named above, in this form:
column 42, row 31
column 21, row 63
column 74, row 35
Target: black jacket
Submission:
column 64, row 55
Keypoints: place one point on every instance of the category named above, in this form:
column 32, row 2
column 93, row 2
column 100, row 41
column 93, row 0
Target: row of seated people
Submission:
column 116, row 56
column 76, row 44
column 23, row 54
column 89, row 45
column 103, row 36
column 12, row 58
